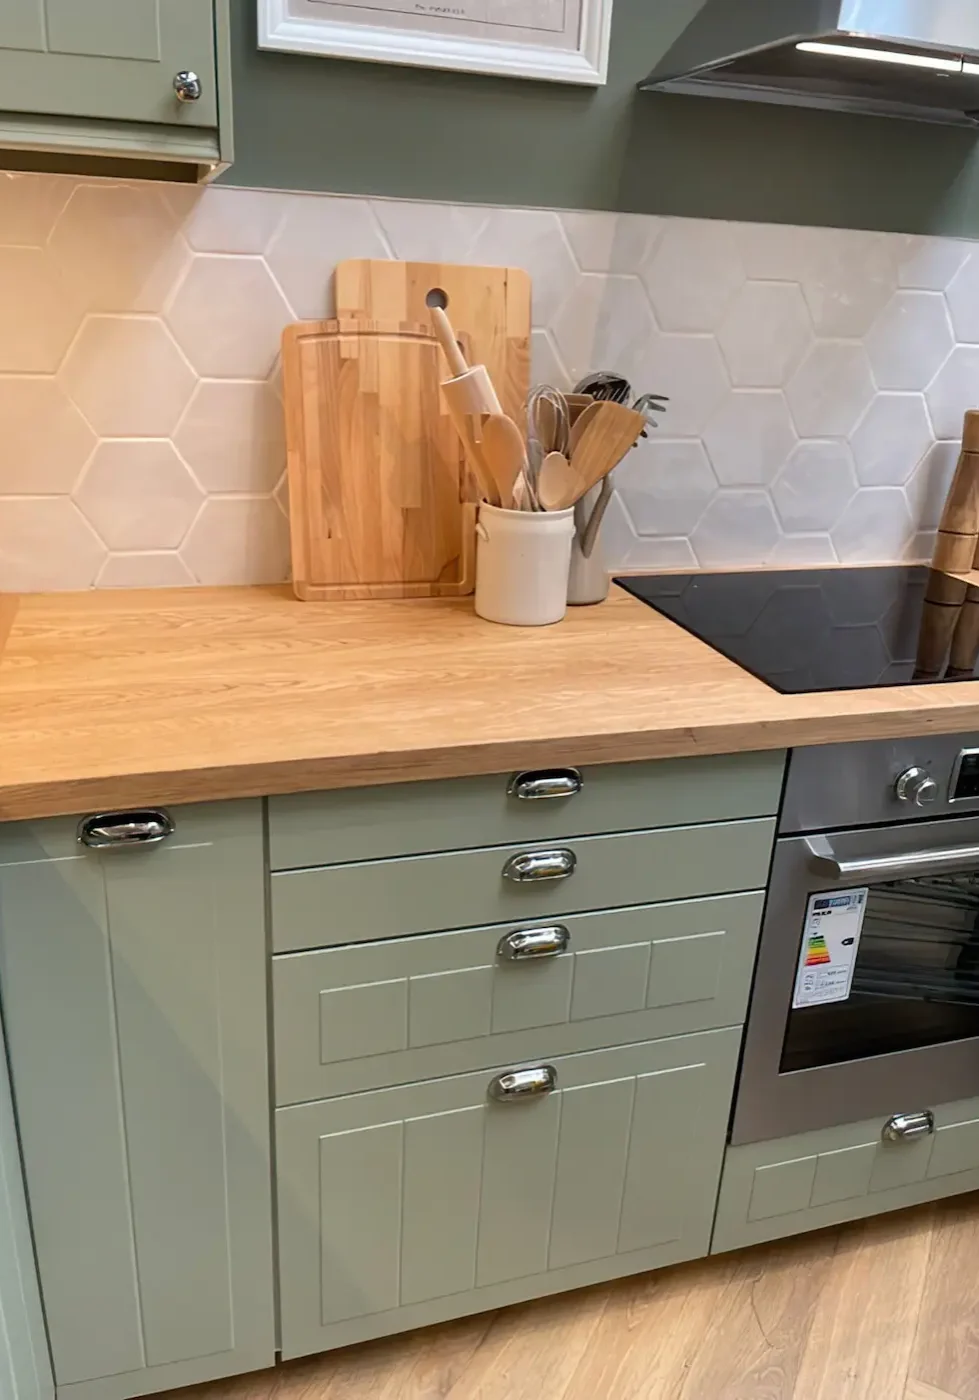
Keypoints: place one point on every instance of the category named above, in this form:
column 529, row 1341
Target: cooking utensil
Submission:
column 581, row 424
column 470, row 398
column 610, row 430
column 557, row 483
column 376, row 472
column 548, row 419
column 488, row 306
column 606, row 385
column 503, row 449
column 957, row 545
column 589, row 535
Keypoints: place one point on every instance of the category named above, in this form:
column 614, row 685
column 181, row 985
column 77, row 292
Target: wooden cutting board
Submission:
column 489, row 308
column 377, row 481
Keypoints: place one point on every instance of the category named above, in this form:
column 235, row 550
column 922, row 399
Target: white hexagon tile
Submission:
column 817, row 377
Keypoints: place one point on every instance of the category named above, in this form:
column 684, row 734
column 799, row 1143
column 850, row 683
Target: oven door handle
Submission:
column 825, row 861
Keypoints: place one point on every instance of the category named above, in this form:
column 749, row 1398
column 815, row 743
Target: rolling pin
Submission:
column 957, row 545
column 940, row 617
column 965, row 643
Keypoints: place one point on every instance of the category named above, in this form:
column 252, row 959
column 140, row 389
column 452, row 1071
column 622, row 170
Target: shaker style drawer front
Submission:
column 805, row 1182
column 371, row 900
column 330, row 828
column 455, row 1195
column 361, row 1017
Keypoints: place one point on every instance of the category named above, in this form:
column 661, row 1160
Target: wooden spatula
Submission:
column 504, row 452
column 610, row 430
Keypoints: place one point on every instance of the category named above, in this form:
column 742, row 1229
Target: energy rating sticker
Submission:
column 830, row 939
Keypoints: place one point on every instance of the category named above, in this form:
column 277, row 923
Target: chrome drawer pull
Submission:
column 905, row 1127
column 523, row 1083
column 142, row 828
column 540, row 865
column 545, row 782
column 531, row 943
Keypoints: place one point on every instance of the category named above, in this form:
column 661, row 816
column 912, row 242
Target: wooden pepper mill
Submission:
column 957, row 545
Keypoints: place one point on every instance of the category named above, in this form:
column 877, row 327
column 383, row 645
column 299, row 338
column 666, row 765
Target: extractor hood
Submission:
column 899, row 58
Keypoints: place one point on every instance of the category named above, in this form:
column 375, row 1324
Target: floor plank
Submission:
column 946, row 1348
column 859, row 1345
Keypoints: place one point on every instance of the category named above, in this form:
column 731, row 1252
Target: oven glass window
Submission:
column 915, row 980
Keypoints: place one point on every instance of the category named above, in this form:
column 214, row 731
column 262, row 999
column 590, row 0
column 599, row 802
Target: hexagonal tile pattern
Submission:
column 910, row 341
column 809, row 372
column 831, row 389
column 667, row 485
column 953, row 391
column 605, row 321
column 876, row 527
column 962, row 294
column 46, row 543
column 532, row 239
column 46, row 441
column 238, row 540
column 138, row 495
column 814, row 487
column 118, row 245
column 39, row 311
column 693, row 274
column 316, row 233
column 738, row 527
column 231, row 436
column 750, row 437
column 765, row 334
column 127, row 377
column 891, row 439
column 227, row 316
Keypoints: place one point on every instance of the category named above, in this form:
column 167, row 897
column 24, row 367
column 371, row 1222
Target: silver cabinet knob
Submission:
column 187, row 86
column 540, row 865
column 523, row 1083
column 917, row 786
column 545, row 783
column 905, row 1127
column 141, row 828
column 528, row 944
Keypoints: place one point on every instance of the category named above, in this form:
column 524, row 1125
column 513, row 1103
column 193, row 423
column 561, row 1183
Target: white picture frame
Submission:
column 423, row 34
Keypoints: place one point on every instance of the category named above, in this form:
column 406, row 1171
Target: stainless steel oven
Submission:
column 866, row 991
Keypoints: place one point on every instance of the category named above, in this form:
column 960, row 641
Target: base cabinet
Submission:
column 409, row 1205
column 134, row 998
column 789, row 1185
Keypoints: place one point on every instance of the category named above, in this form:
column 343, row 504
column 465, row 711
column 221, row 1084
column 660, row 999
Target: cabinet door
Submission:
column 408, row 1206
column 133, row 986
column 112, row 59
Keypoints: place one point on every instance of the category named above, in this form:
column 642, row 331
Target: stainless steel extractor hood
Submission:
column 899, row 58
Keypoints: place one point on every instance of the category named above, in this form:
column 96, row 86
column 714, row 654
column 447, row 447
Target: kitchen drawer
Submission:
column 407, row 1206
column 810, row 1180
column 325, row 828
column 376, row 1014
column 369, row 900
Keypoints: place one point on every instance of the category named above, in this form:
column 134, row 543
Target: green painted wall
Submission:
column 321, row 124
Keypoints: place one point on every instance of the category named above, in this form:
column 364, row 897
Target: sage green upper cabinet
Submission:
column 134, row 995
column 101, row 77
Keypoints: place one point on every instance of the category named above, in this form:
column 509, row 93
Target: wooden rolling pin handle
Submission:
column 970, row 431
column 944, row 597
column 447, row 339
column 965, row 642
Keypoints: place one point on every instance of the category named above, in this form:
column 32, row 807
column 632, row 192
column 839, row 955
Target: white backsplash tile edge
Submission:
column 817, row 377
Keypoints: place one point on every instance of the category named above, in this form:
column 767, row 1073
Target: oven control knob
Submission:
column 917, row 786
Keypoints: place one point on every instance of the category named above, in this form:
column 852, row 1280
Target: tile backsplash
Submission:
column 817, row 377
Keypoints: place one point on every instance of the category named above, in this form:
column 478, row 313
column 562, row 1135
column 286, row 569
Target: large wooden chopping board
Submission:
column 377, row 481
column 489, row 308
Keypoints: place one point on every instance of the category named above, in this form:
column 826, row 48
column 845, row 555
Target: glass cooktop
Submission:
column 828, row 629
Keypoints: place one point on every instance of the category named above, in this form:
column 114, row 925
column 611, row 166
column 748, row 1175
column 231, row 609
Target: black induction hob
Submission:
column 821, row 629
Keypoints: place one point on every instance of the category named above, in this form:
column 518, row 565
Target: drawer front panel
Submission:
column 372, row 900
column 388, row 1013
column 805, row 1182
column 620, row 1159
column 331, row 828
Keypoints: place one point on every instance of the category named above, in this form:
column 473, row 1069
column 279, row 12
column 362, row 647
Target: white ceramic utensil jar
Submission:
column 522, row 562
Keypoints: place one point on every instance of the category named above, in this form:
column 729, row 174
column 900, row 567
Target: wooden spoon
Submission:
column 556, row 483
column 504, row 453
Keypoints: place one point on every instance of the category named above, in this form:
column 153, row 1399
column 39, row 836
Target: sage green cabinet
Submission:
column 97, row 77
column 134, row 996
column 409, row 1205
column 810, row 1180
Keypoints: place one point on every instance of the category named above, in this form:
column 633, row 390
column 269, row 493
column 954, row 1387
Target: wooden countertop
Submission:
column 110, row 699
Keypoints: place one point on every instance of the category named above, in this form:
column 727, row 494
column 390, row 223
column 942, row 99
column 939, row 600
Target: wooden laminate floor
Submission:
column 886, row 1309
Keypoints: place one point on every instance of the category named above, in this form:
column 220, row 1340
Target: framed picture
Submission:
column 562, row 41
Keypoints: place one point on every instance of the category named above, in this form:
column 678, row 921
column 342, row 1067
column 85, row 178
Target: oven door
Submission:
column 876, row 1011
